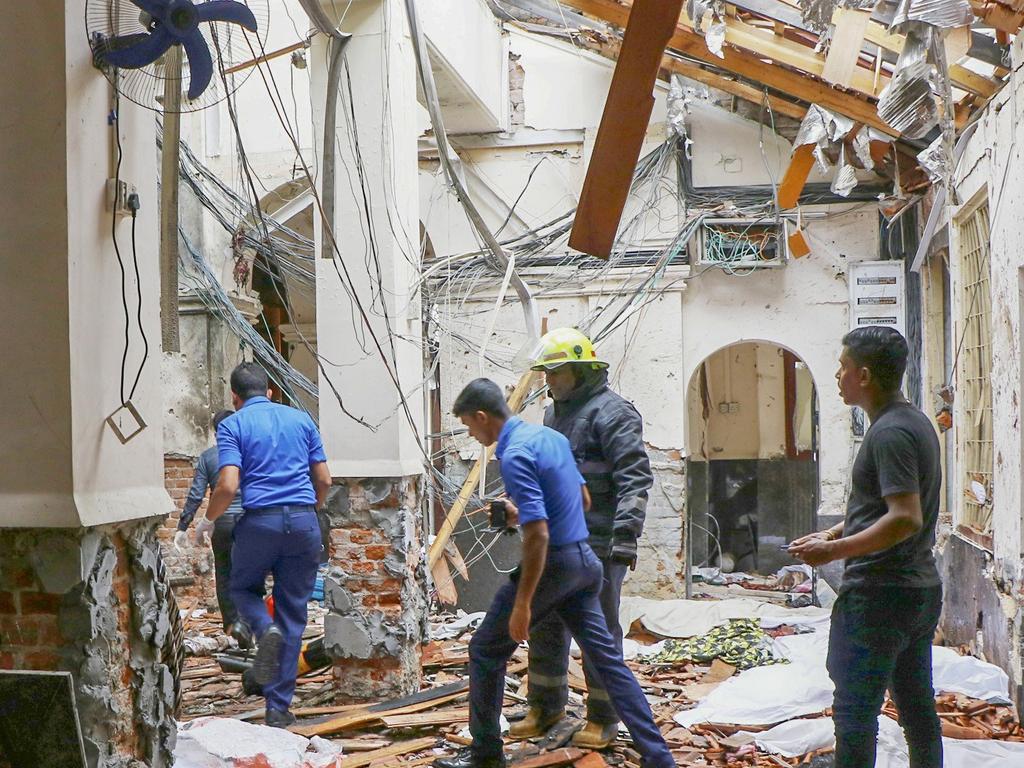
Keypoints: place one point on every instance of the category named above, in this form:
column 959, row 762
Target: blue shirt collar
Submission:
column 505, row 435
column 253, row 400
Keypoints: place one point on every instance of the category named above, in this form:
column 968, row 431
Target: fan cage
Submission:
column 230, row 45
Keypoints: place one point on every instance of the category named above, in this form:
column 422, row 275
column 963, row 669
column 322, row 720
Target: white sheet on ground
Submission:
column 221, row 742
column 797, row 737
column 781, row 692
column 954, row 673
column 690, row 618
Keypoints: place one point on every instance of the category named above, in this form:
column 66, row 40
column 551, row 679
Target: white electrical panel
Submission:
column 878, row 295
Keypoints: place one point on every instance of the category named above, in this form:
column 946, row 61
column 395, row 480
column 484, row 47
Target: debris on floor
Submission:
column 716, row 704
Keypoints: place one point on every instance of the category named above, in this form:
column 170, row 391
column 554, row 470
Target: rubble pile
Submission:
column 768, row 708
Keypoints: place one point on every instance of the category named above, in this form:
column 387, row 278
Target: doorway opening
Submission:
column 752, row 464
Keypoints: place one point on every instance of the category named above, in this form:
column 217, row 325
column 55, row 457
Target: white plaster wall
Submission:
column 58, row 255
column 992, row 166
column 381, row 60
column 802, row 307
column 567, row 88
column 469, row 55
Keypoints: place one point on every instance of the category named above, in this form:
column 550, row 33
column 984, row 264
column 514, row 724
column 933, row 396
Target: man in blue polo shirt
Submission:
column 559, row 573
column 274, row 453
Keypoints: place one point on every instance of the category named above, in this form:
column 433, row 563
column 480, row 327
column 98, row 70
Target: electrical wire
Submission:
column 133, row 205
column 116, row 124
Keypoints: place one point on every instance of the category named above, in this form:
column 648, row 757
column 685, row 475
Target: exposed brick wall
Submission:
column 84, row 601
column 375, row 587
column 191, row 571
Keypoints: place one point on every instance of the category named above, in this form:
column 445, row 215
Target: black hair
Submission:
column 481, row 395
column 219, row 416
column 249, row 380
column 881, row 350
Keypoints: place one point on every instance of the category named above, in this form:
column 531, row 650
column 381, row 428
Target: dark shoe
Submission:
column 277, row 719
column 595, row 735
column 536, row 723
column 465, row 758
column 242, row 634
column 249, row 686
column 267, row 663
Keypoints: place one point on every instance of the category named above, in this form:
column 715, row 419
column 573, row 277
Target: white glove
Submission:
column 203, row 529
column 180, row 540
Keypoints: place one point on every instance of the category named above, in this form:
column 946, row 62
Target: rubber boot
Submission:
column 536, row 723
column 595, row 735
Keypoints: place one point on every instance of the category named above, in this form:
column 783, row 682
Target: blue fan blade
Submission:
column 141, row 54
column 154, row 8
column 200, row 64
column 227, row 10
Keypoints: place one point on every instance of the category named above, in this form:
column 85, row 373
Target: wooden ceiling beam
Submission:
column 749, row 66
column 733, row 87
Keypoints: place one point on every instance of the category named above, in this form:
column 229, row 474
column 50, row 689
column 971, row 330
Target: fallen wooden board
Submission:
column 844, row 48
column 437, row 717
column 795, row 180
column 368, row 717
column 402, row 748
column 554, row 757
column 620, row 137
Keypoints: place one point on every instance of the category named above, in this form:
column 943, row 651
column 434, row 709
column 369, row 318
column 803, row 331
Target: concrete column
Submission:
column 82, row 584
column 375, row 588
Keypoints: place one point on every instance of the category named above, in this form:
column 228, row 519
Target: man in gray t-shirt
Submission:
column 888, row 607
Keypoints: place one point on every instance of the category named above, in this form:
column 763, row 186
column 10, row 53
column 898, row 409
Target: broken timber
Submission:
column 620, row 137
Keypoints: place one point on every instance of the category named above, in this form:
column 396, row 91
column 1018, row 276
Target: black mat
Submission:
column 39, row 721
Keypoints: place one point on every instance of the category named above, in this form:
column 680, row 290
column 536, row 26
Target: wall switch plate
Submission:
column 117, row 194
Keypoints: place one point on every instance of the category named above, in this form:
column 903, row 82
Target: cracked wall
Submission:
column 96, row 602
column 375, row 588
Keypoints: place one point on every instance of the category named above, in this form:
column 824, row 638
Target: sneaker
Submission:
column 267, row 663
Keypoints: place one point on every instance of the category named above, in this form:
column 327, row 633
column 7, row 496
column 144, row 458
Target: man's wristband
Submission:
column 832, row 535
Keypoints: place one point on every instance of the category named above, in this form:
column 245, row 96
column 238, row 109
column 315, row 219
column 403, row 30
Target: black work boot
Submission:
column 277, row 719
column 242, row 634
column 465, row 758
column 267, row 663
column 249, row 686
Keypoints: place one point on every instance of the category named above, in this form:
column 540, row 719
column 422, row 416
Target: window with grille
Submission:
column 974, row 371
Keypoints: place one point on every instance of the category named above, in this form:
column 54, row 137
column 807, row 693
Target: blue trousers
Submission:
column 284, row 541
column 569, row 587
column 881, row 637
column 549, row 655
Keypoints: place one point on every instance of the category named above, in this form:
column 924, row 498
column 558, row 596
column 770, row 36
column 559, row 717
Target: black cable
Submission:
column 116, row 123
column 133, row 205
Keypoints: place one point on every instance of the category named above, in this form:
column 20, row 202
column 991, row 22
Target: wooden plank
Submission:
column 443, row 581
column 437, row 717
column 844, row 49
column 627, row 112
column 401, row 748
column 751, row 66
column 547, row 759
column 744, row 91
column 796, row 176
column 515, row 402
column 367, row 717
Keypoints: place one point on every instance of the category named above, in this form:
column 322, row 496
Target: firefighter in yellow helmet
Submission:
column 606, row 435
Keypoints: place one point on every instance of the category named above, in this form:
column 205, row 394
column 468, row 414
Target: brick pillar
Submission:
column 190, row 571
column 375, row 589
column 95, row 602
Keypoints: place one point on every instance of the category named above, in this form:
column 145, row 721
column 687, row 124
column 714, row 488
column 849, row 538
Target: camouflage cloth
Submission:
column 741, row 643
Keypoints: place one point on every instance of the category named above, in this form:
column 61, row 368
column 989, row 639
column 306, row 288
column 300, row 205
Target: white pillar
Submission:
column 376, row 226
column 60, row 284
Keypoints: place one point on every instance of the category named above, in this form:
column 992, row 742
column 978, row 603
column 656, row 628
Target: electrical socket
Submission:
column 724, row 407
column 118, row 192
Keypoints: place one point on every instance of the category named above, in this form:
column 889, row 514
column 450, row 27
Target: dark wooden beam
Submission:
column 627, row 113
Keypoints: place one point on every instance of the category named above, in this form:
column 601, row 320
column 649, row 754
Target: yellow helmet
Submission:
column 566, row 345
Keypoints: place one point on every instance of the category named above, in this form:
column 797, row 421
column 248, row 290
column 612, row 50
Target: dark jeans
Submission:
column 222, row 540
column 285, row 542
column 881, row 638
column 569, row 587
column 549, row 655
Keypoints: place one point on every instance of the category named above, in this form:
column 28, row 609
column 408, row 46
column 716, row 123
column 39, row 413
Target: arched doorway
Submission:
column 752, row 459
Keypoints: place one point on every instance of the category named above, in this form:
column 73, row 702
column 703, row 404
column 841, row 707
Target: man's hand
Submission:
column 180, row 540
column 816, row 536
column 511, row 514
column 815, row 549
column 519, row 622
column 203, row 530
column 624, row 551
